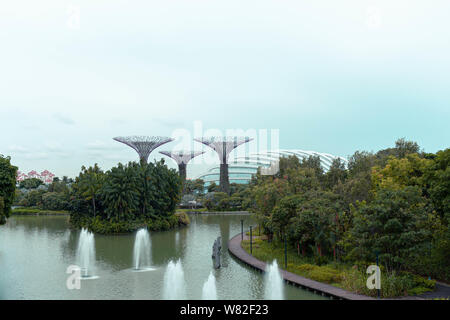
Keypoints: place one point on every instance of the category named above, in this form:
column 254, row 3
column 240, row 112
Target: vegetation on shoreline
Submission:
column 123, row 199
column 394, row 203
column 31, row 211
column 115, row 226
column 192, row 210
column 351, row 277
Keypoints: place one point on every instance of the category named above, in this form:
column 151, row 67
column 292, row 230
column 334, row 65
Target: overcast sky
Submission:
column 332, row 76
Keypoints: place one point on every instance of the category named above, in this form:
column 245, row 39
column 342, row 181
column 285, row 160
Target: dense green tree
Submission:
column 401, row 172
column 394, row 224
column 404, row 147
column 336, row 174
column 314, row 225
column 287, row 163
column 360, row 164
column 8, row 174
column 31, row 183
column 166, row 185
column 33, row 198
column 88, row 184
column 54, row 201
column 437, row 180
column 126, row 197
column 119, row 192
column 196, row 187
column 396, row 202
column 213, row 187
column 59, row 187
column 313, row 162
column 215, row 200
column 284, row 211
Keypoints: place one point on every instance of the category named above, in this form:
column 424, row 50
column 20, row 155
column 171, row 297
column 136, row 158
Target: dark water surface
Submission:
column 35, row 253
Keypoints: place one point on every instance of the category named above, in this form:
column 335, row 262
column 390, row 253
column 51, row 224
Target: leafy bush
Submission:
column 54, row 201
column 213, row 200
column 324, row 274
column 305, row 267
column 182, row 218
column 418, row 290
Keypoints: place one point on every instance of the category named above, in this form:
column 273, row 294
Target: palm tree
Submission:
column 120, row 192
column 90, row 182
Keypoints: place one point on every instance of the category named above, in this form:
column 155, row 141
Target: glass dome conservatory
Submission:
column 242, row 169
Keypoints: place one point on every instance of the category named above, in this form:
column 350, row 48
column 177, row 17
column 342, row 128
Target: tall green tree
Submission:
column 336, row 174
column 89, row 184
column 437, row 180
column 31, row 183
column 394, row 224
column 119, row 192
column 8, row 174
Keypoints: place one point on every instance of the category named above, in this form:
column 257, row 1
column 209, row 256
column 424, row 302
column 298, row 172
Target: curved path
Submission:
column 234, row 247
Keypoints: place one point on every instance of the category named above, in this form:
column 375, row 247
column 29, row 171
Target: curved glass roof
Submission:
column 242, row 169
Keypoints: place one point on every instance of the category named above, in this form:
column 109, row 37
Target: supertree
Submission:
column 182, row 157
column 144, row 145
column 223, row 146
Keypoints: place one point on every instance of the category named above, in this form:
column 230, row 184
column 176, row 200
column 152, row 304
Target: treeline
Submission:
column 33, row 193
column 122, row 199
column 394, row 203
column 126, row 197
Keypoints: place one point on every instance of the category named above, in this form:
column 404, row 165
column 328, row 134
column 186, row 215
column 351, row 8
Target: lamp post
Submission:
column 242, row 230
column 251, row 238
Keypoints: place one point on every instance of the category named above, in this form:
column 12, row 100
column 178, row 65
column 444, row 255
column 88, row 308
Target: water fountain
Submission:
column 274, row 283
column 86, row 254
column 142, row 250
column 174, row 285
column 209, row 288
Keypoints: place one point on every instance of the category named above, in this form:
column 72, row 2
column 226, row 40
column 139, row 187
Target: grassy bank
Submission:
column 192, row 210
column 38, row 212
column 349, row 277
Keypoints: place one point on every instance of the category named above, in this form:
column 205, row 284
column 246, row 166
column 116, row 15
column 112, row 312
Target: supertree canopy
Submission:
column 144, row 145
column 182, row 157
column 223, row 146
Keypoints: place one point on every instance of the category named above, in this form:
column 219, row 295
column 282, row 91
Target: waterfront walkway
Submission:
column 234, row 246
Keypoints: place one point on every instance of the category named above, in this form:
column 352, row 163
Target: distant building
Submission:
column 45, row 176
column 242, row 169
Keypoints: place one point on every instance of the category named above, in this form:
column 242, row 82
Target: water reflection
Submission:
column 36, row 251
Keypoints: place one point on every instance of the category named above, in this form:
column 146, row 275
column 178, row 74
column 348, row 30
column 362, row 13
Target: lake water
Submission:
column 35, row 253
